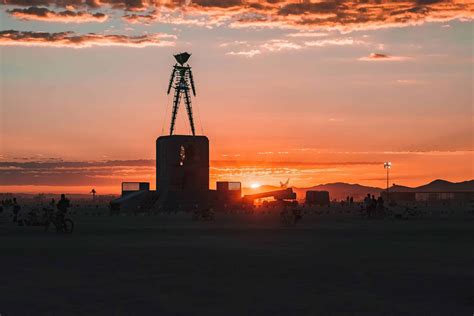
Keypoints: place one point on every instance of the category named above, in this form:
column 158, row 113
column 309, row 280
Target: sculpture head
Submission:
column 182, row 58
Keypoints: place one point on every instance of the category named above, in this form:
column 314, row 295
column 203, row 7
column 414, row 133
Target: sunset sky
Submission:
column 316, row 92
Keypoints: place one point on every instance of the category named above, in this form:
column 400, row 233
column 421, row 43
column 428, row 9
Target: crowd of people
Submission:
column 349, row 201
column 370, row 205
column 11, row 203
column 373, row 205
column 60, row 208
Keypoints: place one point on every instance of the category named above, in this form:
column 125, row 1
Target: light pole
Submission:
column 387, row 165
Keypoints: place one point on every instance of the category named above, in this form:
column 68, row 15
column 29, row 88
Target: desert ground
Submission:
column 240, row 264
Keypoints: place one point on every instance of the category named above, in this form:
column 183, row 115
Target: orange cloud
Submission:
column 44, row 14
column 70, row 39
column 141, row 18
column 345, row 15
column 123, row 4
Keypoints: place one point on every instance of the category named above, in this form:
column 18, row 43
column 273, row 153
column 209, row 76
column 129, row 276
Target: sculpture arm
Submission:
column 171, row 79
column 192, row 81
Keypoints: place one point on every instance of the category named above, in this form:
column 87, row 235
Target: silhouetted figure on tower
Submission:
column 182, row 77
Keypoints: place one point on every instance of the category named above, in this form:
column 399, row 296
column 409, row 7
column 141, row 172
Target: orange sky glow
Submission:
column 312, row 91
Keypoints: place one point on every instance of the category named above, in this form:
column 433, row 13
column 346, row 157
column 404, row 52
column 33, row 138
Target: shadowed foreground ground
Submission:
column 239, row 265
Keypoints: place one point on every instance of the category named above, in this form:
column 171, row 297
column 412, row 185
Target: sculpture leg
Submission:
column 176, row 101
column 187, row 100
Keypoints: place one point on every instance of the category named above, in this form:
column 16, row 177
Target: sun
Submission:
column 255, row 185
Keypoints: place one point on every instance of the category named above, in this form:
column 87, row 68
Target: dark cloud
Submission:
column 308, row 8
column 51, row 164
column 70, row 39
column 378, row 56
column 63, row 173
column 127, row 4
column 218, row 3
column 84, row 173
column 58, row 3
column 425, row 2
column 291, row 164
column 383, row 57
column 343, row 15
column 141, row 18
column 44, row 14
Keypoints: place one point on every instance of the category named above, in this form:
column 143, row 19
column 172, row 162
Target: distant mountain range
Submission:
column 438, row 186
column 341, row 190
column 338, row 190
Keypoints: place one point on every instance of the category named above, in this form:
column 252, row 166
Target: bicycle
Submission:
column 62, row 224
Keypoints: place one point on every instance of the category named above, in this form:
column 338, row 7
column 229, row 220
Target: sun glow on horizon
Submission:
column 255, row 185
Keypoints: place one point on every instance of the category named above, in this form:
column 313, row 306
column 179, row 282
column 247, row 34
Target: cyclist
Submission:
column 63, row 205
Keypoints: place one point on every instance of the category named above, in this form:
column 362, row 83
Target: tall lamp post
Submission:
column 387, row 165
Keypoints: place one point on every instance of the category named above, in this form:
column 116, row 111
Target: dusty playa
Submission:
column 240, row 265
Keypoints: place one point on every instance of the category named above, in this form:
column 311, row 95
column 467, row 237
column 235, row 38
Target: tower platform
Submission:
column 182, row 170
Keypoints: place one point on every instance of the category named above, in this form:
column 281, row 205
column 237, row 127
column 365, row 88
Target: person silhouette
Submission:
column 380, row 203
column 373, row 205
column 16, row 210
column 63, row 206
column 367, row 204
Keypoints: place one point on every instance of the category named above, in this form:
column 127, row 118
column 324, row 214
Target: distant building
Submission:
column 229, row 192
column 320, row 198
column 135, row 196
column 131, row 187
